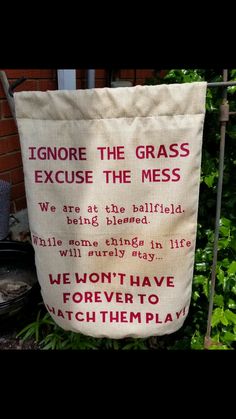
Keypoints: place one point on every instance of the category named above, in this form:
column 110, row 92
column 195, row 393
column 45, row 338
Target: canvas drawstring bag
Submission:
column 112, row 182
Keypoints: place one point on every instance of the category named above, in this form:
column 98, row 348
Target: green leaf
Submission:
column 216, row 337
column 219, row 347
column 232, row 89
column 116, row 345
column 232, row 74
column 230, row 337
column 220, row 275
column 218, row 316
column 201, row 266
column 27, row 331
column 197, row 341
column 209, row 180
column 206, row 288
column 232, row 268
column 233, row 244
column 128, row 346
column 223, row 243
column 225, row 263
column 219, row 300
column 230, row 316
column 225, row 222
column 224, row 231
column 233, row 289
column 199, row 279
column 224, row 320
column 231, row 303
column 196, row 295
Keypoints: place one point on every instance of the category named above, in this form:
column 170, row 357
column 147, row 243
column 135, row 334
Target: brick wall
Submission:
column 10, row 155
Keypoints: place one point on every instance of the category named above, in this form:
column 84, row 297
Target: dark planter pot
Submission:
column 17, row 264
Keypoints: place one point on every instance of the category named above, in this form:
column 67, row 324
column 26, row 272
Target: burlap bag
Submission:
column 112, row 183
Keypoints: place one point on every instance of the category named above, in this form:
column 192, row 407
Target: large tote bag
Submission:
column 112, row 183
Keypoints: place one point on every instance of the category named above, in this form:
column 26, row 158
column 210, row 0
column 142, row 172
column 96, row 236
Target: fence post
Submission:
column 224, row 117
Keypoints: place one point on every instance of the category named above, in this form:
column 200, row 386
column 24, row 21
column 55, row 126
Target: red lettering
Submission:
column 69, row 314
column 66, row 296
column 123, row 317
column 168, row 318
column 185, row 147
column 32, row 153
column 97, row 297
column 160, row 175
column 135, row 316
column 149, row 317
column 64, row 278
column 162, row 151
column 57, row 153
column 60, row 314
column 78, row 316
column 38, row 176
column 88, row 297
column 169, row 281
column 174, row 149
column 178, row 313
column 177, row 176
column 166, row 176
column 141, row 297
column 111, row 153
column 61, row 176
column 153, row 299
column 114, row 208
column 44, row 206
column 119, row 176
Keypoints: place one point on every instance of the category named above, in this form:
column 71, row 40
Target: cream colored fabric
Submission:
column 112, row 183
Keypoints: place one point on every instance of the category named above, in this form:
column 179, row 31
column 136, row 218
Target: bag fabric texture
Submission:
column 112, row 185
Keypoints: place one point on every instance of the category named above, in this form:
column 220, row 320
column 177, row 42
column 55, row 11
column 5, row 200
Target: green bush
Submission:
column 191, row 335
